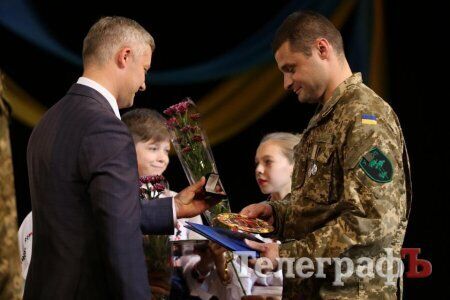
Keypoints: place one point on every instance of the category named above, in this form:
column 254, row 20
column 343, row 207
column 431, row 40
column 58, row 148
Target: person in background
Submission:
column 152, row 142
column 274, row 164
column 11, row 283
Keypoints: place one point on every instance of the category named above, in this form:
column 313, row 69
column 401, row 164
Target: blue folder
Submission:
column 228, row 239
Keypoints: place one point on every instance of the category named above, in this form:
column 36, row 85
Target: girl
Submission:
column 209, row 275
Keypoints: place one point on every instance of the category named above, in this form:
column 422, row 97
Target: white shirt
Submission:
column 105, row 93
column 26, row 243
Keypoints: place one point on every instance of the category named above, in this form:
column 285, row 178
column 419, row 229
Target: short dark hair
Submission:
column 302, row 28
column 145, row 124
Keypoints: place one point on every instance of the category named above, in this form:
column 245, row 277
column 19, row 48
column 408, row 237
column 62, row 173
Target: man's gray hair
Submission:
column 110, row 34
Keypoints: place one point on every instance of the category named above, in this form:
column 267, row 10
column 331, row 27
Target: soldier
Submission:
column 350, row 187
column 10, row 279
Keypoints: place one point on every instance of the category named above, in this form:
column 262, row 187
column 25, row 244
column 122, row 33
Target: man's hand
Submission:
column 189, row 202
column 269, row 250
column 261, row 210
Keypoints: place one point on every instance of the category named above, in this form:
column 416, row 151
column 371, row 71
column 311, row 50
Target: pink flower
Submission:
column 197, row 138
column 158, row 187
column 186, row 149
column 172, row 123
column 186, row 128
column 154, row 186
column 145, row 179
column 195, row 116
column 182, row 107
column 152, row 179
column 190, row 128
column 177, row 108
column 169, row 111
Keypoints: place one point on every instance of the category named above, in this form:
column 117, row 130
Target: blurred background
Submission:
column 218, row 53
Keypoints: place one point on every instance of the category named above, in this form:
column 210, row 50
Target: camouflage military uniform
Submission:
column 10, row 273
column 350, row 192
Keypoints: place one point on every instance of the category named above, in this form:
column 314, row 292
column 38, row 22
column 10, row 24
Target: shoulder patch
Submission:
column 369, row 119
column 377, row 166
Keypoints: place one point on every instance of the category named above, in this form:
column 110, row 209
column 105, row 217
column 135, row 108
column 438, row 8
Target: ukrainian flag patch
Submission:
column 369, row 119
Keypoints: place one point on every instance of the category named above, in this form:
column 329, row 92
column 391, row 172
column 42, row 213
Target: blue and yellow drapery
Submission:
column 251, row 82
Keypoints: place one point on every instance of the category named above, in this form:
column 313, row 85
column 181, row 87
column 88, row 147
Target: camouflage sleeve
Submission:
column 280, row 210
column 373, row 183
column 11, row 282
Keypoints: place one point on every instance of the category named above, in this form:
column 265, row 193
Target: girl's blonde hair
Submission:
column 287, row 142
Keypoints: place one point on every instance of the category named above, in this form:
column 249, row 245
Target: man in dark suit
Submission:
column 87, row 220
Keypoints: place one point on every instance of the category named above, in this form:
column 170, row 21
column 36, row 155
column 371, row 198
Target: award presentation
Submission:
column 144, row 145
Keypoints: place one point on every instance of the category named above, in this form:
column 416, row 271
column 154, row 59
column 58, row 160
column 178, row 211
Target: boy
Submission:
column 152, row 142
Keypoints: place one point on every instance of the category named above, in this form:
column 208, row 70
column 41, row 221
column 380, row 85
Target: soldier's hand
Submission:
column 189, row 202
column 260, row 210
column 269, row 250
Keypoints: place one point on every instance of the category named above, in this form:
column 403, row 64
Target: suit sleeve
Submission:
column 372, row 207
column 108, row 163
column 157, row 217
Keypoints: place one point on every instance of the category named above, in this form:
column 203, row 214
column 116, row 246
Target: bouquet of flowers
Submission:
column 152, row 187
column 190, row 143
column 156, row 247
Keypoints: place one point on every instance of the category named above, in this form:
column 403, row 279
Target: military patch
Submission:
column 369, row 119
column 377, row 166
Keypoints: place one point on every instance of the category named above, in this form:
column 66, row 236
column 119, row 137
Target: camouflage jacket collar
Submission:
column 324, row 110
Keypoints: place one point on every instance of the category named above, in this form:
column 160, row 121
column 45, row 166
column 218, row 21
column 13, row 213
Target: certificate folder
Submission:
column 230, row 240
